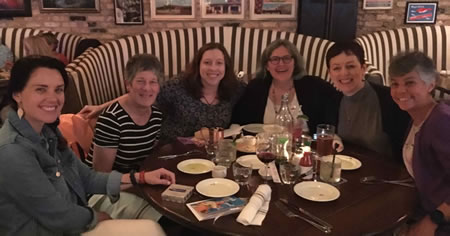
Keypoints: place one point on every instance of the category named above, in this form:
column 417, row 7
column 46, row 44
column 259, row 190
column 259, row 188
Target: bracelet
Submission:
column 133, row 178
column 142, row 177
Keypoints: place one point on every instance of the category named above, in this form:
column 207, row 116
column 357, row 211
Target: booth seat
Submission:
column 98, row 75
column 13, row 38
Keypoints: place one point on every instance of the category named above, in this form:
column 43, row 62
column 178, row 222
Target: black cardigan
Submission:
column 313, row 94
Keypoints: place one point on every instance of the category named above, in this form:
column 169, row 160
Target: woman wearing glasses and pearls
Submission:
column 281, row 71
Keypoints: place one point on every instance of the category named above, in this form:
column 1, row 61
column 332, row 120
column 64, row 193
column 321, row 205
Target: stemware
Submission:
column 265, row 150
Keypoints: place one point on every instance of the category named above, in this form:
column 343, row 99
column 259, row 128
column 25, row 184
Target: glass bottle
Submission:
column 284, row 117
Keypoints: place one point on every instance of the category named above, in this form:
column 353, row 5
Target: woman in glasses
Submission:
column 281, row 70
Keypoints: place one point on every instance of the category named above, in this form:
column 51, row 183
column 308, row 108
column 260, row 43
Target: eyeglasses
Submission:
column 276, row 60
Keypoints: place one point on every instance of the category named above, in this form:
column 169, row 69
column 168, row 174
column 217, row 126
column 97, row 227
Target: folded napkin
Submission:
column 256, row 209
column 234, row 130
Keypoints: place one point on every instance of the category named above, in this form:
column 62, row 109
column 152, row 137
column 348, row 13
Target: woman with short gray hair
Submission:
column 426, row 152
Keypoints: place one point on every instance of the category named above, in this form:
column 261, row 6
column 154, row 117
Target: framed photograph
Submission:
column 128, row 12
column 270, row 9
column 172, row 9
column 222, row 9
column 70, row 5
column 421, row 12
column 377, row 4
column 13, row 8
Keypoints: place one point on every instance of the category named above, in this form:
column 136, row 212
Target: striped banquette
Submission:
column 13, row 39
column 99, row 72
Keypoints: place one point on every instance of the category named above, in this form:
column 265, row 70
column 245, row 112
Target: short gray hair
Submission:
column 143, row 62
column 299, row 68
column 406, row 62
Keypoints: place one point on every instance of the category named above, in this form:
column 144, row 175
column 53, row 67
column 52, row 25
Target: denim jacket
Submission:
column 43, row 190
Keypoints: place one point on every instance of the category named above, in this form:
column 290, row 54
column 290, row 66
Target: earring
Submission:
column 20, row 112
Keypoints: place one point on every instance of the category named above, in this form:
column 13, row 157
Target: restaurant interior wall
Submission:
column 101, row 25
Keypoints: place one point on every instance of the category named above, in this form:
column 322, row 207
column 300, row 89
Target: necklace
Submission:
column 274, row 96
column 212, row 102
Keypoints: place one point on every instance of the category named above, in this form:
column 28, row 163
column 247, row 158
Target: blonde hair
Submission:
column 37, row 45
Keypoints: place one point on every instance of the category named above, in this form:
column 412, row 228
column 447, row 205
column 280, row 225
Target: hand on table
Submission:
column 160, row 176
column 338, row 141
column 424, row 227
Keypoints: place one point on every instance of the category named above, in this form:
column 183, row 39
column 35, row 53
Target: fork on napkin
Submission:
column 257, row 207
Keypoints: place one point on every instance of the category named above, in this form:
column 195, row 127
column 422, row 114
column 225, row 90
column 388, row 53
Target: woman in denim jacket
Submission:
column 43, row 184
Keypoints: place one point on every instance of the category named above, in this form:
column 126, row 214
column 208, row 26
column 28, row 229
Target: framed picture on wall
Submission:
column 377, row 4
column 421, row 12
column 270, row 9
column 172, row 9
column 13, row 8
column 70, row 5
column 222, row 9
column 128, row 12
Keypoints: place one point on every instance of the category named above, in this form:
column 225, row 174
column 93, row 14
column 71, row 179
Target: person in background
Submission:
column 44, row 185
column 127, row 132
column 365, row 112
column 53, row 42
column 37, row 45
column 426, row 152
column 281, row 70
column 203, row 96
column 6, row 58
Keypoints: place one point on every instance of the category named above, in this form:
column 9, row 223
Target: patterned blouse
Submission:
column 184, row 114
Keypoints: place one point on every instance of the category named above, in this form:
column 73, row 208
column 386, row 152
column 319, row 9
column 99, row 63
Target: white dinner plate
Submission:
column 316, row 191
column 348, row 162
column 217, row 187
column 195, row 166
column 254, row 128
column 252, row 160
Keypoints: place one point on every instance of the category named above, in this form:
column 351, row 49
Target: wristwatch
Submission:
column 437, row 217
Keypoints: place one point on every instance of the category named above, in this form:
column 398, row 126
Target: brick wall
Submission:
column 101, row 25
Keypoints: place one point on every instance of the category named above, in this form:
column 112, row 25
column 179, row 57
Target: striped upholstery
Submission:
column 381, row 46
column 13, row 39
column 98, row 74
column 441, row 94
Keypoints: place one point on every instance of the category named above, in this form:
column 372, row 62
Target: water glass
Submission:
column 241, row 174
column 282, row 146
column 219, row 172
column 326, row 166
column 289, row 172
column 325, row 134
column 226, row 152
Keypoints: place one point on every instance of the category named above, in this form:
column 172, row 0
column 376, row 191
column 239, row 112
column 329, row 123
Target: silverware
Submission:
column 322, row 222
column 291, row 214
column 375, row 180
column 167, row 157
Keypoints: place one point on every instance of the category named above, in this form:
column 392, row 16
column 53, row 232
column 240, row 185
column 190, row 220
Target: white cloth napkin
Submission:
column 256, row 209
column 234, row 129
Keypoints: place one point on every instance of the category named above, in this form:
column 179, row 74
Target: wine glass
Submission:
column 264, row 150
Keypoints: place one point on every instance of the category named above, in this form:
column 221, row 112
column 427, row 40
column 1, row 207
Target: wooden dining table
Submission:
column 360, row 209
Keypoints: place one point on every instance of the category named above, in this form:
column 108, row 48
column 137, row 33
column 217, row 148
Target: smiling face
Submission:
column 42, row 97
column 212, row 68
column 410, row 92
column 347, row 73
column 143, row 88
column 279, row 66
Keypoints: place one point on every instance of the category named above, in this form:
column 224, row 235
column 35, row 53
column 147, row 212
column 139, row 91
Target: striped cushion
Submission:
column 13, row 39
column 380, row 47
column 99, row 73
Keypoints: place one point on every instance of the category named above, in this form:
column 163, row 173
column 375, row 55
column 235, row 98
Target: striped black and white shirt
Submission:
column 115, row 129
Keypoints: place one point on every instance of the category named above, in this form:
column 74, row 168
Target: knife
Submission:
column 291, row 214
column 322, row 222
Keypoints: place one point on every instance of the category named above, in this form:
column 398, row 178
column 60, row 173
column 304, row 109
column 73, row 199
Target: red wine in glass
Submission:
column 266, row 157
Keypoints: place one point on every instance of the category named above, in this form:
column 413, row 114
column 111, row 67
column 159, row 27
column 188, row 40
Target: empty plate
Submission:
column 316, row 191
column 252, row 160
column 254, row 128
column 348, row 162
column 217, row 187
column 195, row 166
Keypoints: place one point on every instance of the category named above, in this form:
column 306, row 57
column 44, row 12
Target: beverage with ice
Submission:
column 326, row 166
